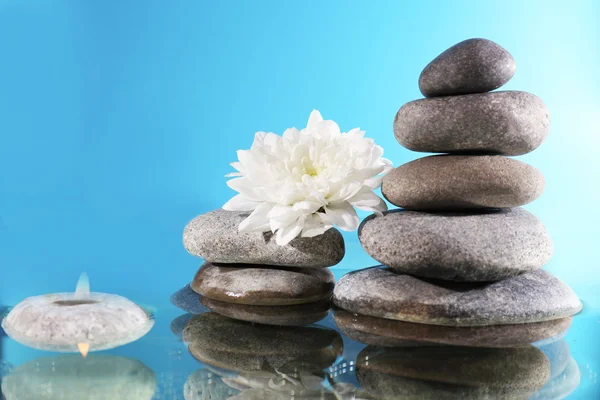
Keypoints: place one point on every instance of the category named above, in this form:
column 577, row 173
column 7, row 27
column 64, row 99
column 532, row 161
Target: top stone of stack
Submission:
column 471, row 66
column 461, row 116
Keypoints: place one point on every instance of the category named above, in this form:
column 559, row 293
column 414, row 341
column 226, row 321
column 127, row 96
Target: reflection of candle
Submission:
column 70, row 377
column 77, row 322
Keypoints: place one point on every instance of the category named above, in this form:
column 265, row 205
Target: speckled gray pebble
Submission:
column 448, row 372
column 509, row 122
column 391, row 333
column 214, row 236
column 263, row 285
column 475, row 246
column 530, row 297
column 242, row 346
column 463, row 182
column 294, row 315
column 471, row 66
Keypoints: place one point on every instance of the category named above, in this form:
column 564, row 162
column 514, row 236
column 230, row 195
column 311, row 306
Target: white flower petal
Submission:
column 282, row 216
column 374, row 183
column 307, row 207
column 287, row 234
column 244, row 187
column 240, row 203
column 365, row 199
column 314, row 226
column 309, row 179
column 343, row 215
column 259, row 138
column 257, row 221
column 314, row 119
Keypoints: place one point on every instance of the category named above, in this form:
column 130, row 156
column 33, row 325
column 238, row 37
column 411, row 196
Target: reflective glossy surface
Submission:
column 203, row 355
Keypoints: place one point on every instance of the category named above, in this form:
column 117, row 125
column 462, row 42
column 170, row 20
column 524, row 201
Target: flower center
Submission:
column 312, row 171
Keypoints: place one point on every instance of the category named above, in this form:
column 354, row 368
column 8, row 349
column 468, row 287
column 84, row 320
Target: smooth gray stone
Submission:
column 455, row 182
column 448, row 372
column 530, row 297
column 511, row 123
column 390, row 333
column 214, row 236
column 188, row 300
column 263, row 285
column 475, row 246
column 242, row 346
column 294, row 315
column 471, row 66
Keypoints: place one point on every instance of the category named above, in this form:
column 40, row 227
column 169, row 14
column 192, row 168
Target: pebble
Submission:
column 475, row 246
column 510, row 123
column 456, row 182
column 214, row 236
column 263, row 285
column 526, row 298
column 471, row 66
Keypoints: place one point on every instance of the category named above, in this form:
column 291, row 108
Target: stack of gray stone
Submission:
column 461, row 253
column 248, row 276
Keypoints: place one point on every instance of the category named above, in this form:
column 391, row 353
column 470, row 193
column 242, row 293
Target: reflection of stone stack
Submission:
column 257, row 361
column 461, row 253
column 248, row 276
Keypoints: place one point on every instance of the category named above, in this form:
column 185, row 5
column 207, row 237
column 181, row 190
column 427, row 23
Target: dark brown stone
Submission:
column 263, row 285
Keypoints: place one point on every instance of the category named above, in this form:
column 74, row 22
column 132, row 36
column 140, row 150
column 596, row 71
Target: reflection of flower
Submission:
column 306, row 181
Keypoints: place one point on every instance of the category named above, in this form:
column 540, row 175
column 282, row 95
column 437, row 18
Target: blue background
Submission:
column 118, row 120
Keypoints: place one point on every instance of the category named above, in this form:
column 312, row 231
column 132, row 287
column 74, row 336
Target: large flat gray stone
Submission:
column 526, row 298
column 471, row 66
column 509, row 122
column 263, row 285
column 448, row 372
column 214, row 236
column 462, row 182
column 391, row 333
column 475, row 246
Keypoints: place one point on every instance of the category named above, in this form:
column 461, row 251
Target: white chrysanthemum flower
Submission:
column 306, row 181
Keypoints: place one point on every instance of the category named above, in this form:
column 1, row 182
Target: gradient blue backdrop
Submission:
column 118, row 120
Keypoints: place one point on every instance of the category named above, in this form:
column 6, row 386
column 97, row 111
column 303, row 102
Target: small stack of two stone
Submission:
column 462, row 253
column 248, row 276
